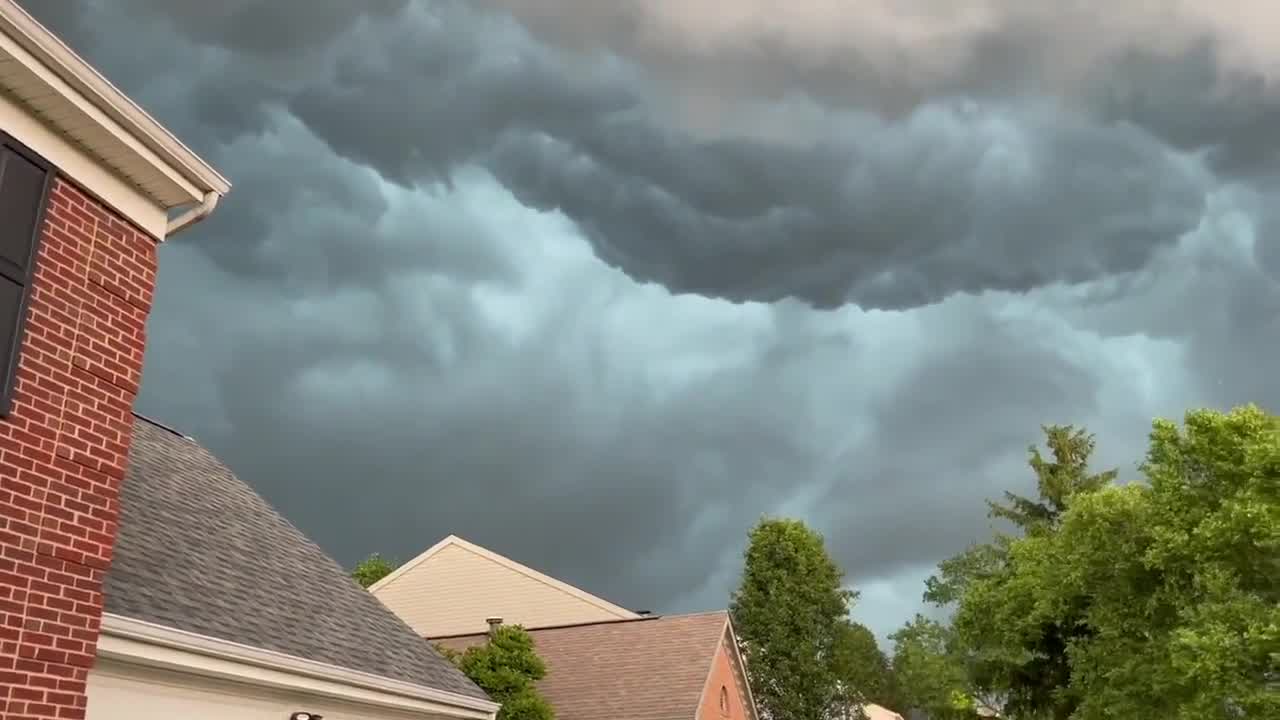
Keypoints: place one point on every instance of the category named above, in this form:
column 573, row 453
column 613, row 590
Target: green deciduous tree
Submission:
column 929, row 674
column 789, row 612
column 861, row 667
column 1158, row 599
column 372, row 569
column 507, row 668
column 1030, row 673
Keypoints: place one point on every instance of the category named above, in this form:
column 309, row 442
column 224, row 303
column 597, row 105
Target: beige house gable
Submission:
column 455, row 585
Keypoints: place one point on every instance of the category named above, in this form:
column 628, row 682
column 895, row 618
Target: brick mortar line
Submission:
column 62, row 412
column 129, row 301
column 88, row 370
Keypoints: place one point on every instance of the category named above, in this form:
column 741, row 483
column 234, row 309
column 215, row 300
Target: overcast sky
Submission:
column 597, row 284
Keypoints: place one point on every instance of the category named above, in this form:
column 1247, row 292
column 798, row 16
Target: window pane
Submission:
column 21, row 185
column 10, row 304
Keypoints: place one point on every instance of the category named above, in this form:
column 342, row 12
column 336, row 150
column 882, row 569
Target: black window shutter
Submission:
column 24, row 188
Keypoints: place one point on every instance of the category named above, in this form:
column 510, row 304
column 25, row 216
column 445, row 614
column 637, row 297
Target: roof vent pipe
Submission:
column 494, row 624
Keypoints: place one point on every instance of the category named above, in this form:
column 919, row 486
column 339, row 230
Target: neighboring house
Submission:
column 603, row 661
column 214, row 607
column 452, row 587
column 676, row 667
column 879, row 712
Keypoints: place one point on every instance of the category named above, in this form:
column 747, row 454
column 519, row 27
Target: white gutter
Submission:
column 192, row 215
column 138, row 642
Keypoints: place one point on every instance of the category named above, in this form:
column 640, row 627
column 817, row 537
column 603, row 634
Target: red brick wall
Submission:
column 63, row 449
column 724, row 675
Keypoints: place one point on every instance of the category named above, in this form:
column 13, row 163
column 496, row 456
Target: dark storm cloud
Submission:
column 1218, row 295
column 830, row 222
column 289, row 186
column 1189, row 100
column 899, row 217
column 1145, row 64
column 1017, row 197
column 265, row 28
column 993, row 375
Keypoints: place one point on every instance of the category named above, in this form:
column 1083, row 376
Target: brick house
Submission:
column 139, row 578
column 603, row 660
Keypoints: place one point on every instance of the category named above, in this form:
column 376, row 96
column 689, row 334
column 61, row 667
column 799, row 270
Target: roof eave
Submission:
column 137, row 641
column 82, row 89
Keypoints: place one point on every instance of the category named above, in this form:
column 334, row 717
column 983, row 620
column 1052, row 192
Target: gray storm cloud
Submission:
column 1200, row 76
column 1018, row 195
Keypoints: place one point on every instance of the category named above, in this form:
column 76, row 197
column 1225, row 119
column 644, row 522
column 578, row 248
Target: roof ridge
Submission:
column 162, row 426
column 696, row 613
column 607, row 621
column 561, row 626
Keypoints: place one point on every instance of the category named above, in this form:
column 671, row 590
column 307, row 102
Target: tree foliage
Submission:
column 1158, row 599
column 861, row 668
column 789, row 612
column 507, row 668
column 1029, row 673
column 372, row 569
column 1057, row 481
column 929, row 674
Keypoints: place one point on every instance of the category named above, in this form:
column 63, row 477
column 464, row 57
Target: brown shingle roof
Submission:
column 648, row 669
column 198, row 550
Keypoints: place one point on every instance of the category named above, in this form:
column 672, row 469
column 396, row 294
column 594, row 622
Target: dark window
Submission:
column 24, row 187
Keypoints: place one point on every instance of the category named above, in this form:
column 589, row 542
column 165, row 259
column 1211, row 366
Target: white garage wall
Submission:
column 119, row 691
column 145, row 671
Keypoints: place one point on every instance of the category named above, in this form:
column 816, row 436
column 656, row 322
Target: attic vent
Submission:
column 724, row 700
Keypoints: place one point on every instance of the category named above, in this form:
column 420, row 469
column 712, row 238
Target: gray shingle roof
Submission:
column 200, row 551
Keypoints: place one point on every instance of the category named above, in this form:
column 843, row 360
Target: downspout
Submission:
column 193, row 215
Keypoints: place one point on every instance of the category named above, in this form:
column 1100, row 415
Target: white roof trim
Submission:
column 454, row 540
column 732, row 636
column 86, row 91
column 143, row 643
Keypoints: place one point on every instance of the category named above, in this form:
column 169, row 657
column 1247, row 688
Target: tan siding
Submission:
column 454, row 590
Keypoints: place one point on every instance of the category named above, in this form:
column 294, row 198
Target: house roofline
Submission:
column 742, row 666
column 560, row 626
column 79, row 75
column 454, row 540
column 588, row 623
column 727, row 634
column 139, row 642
